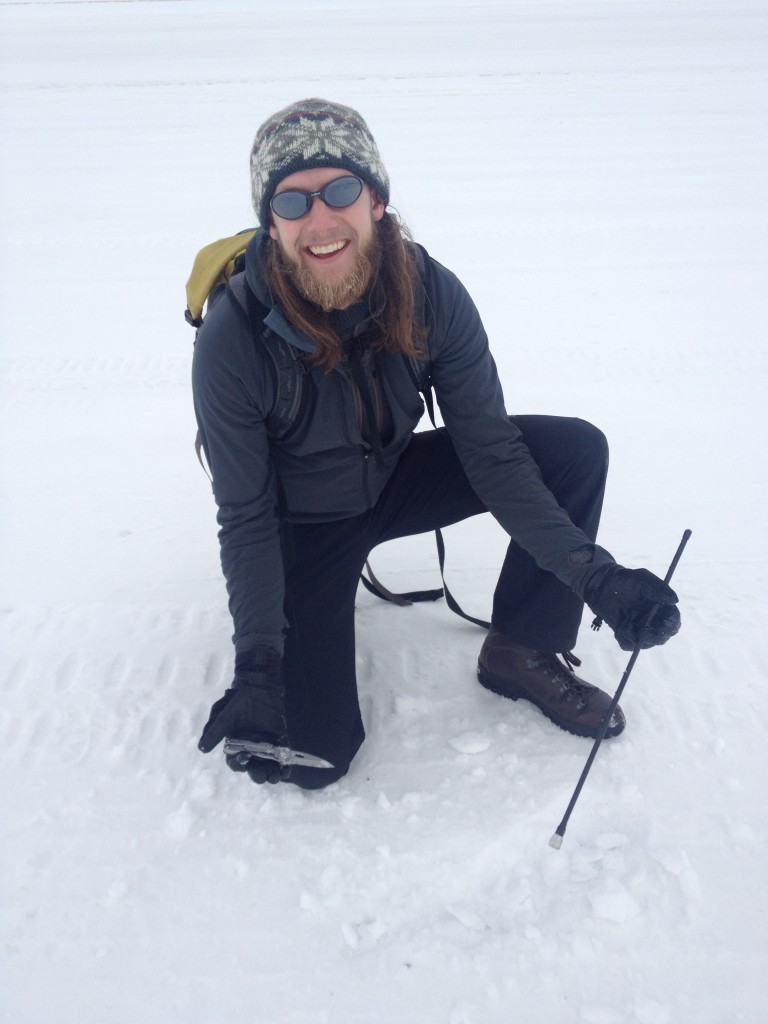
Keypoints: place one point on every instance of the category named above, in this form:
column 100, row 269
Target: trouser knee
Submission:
column 591, row 442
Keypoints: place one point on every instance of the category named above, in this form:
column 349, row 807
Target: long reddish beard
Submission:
column 330, row 295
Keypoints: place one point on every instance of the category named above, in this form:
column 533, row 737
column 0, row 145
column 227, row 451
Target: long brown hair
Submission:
column 393, row 295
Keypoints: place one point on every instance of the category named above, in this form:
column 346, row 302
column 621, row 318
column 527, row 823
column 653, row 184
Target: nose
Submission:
column 319, row 213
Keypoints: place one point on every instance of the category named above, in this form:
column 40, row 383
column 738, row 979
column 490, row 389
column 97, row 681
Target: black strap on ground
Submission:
column 373, row 586
column 449, row 598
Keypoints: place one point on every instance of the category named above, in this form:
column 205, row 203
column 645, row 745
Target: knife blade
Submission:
column 243, row 750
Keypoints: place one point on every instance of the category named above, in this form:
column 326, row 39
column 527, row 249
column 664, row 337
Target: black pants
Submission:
column 429, row 489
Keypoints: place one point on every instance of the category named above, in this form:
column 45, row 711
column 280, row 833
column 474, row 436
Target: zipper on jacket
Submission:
column 367, row 477
column 372, row 417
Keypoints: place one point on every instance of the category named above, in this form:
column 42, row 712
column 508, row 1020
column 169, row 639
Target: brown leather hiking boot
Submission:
column 516, row 672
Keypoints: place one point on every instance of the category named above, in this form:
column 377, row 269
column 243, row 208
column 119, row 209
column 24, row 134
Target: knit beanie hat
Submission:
column 313, row 133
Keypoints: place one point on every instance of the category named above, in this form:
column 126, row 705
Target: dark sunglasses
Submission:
column 339, row 193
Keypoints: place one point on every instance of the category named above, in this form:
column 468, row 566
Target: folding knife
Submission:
column 245, row 749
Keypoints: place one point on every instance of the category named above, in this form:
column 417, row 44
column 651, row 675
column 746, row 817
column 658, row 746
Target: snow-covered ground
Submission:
column 595, row 171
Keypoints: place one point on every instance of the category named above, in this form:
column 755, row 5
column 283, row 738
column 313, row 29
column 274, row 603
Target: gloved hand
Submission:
column 253, row 708
column 638, row 606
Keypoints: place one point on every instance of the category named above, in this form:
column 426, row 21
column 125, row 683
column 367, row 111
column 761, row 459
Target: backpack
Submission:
column 212, row 270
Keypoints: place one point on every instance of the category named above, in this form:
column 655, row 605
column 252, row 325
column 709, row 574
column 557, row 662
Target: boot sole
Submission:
column 504, row 688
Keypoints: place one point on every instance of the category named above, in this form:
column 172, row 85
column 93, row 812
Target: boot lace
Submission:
column 571, row 687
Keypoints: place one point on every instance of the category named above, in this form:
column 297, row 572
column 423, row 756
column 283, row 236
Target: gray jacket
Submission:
column 325, row 466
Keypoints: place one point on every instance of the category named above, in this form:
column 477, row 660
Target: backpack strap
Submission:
column 421, row 375
column 377, row 588
column 450, row 600
column 289, row 368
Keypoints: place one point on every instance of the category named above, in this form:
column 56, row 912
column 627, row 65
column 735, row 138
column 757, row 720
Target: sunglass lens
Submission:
column 342, row 192
column 290, row 205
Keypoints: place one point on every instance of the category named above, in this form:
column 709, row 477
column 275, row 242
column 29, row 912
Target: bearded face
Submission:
column 330, row 253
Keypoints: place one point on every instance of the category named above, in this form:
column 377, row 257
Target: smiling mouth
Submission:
column 321, row 252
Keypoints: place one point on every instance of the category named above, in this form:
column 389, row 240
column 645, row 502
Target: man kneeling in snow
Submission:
column 365, row 316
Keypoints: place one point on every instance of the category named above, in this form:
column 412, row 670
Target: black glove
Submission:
column 252, row 709
column 638, row 606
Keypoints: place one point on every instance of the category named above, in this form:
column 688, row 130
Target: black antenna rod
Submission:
column 557, row 839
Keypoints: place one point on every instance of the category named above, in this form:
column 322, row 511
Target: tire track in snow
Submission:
column 78, row 691
column 30, row 374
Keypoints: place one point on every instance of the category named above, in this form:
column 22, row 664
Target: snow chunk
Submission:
column 611, row 840
column 116, row 891
column 471, row 742
column 614, row 903
column 180, row 823
column 308, row 901
column 601, row 1015
column 363, row 934
column 651, row 1012
column 410, row 705
column 676, row 862
column 464, row 1014
column 741, row 832
column 331, row 881
column 468, row 917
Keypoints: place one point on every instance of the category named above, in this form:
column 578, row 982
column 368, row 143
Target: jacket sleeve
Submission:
column 232, row 391
column 499, row 466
